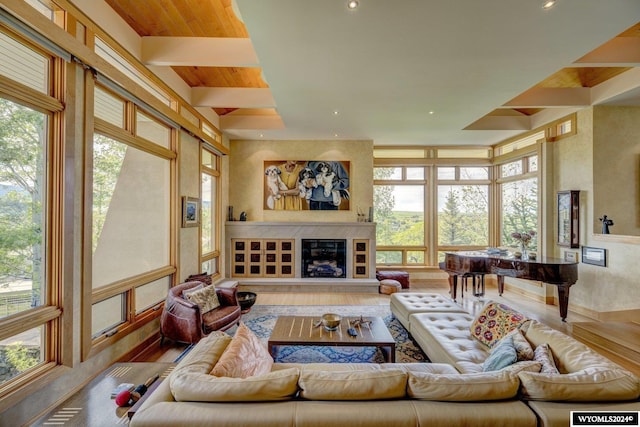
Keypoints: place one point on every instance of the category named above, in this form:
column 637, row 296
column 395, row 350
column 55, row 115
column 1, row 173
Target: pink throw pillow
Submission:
column 246, row 356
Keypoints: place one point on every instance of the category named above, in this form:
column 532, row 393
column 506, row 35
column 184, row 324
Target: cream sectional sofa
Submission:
column 453, row 390
column 326, row 395
column 587, row 381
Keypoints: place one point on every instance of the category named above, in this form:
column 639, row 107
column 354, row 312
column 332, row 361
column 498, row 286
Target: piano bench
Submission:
column 477, row 284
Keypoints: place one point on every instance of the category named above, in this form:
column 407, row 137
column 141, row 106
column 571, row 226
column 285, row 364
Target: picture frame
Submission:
column 594, row 256
column 569, row 218
column 190, row 211
column 571, row 256
column 306, row 185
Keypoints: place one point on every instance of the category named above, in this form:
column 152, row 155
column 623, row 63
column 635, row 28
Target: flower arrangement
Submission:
column 524, row 238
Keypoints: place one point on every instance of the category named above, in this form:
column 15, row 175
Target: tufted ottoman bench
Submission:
column 403, row 305
column 400, row 276
column 446, row 338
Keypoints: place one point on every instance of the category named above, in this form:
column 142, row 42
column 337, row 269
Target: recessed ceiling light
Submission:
column 335, row 113
column 548, row 4
column 431, row 112
column 335, row 134
column 261, row 135
column 352, row 4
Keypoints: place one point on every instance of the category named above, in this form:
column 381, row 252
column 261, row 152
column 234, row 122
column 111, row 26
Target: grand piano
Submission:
column 553, row 271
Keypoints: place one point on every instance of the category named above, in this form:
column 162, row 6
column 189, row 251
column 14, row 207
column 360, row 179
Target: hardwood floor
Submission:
column 534, row 309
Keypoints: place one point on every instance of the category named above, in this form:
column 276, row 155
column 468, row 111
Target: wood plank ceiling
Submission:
column 193, row 18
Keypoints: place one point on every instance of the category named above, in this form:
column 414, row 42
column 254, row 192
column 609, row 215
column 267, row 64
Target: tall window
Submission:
column 29, row 171
column 131, row 213
column 463, row 207
column 399, row 211
column 210, row 234
column 518, row 184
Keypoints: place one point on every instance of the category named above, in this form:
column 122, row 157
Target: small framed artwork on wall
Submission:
column 190, row 211
column 595, row 256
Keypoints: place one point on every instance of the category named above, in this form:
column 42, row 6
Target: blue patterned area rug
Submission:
column 262, row 318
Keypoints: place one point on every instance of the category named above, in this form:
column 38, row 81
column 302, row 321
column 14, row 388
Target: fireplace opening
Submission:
column 324, row 258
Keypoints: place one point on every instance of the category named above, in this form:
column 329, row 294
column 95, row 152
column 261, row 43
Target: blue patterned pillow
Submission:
column 502, row 355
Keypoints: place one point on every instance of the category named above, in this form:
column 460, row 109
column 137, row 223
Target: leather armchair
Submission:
column 183, row 321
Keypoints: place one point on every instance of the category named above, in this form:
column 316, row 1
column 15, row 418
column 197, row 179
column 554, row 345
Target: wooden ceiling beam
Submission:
column 198, row 51
column 238, row 121
column 620, row 51
column 628, row 82
column 232, row 97
column 494, row 122
column 552, row 97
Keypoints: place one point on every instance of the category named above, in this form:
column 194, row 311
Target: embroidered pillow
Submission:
column 523, row 348
column 543, row 354
column 502, row 355
column 206, row 298
column 495, row 321
column 245, row 357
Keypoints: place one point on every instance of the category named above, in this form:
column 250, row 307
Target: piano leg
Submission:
column 563, row 300
column 453, row 285
column 500, row 284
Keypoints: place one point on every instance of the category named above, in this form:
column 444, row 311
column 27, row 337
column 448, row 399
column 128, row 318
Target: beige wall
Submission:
column 616, row 177
column 189, row 185
column 611, row 292
column 246, row 177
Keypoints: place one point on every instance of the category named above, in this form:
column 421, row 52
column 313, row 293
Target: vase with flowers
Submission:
column 524, row 239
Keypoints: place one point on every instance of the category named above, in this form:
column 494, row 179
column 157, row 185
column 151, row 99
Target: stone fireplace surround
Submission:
column 306, row 230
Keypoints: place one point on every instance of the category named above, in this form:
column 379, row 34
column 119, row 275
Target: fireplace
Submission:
column 325, row 258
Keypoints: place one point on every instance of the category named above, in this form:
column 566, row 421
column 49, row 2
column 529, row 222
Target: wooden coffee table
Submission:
column 301, row 330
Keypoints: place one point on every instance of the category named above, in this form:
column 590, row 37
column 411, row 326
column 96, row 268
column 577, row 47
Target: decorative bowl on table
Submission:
column 246, row 300
column 331, row 321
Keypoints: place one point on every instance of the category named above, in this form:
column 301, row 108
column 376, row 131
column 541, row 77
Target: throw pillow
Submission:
column 543, row 354
column 206, row 298
column 502, row 355
column 523, row 366
column 187, row 292
column 523, row 348
column 494, row 322
column 246, row 356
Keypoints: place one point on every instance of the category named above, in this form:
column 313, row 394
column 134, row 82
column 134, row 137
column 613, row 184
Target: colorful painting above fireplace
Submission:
column 306, row 185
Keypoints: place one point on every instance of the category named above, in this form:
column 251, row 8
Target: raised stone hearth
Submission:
column 267, row 256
